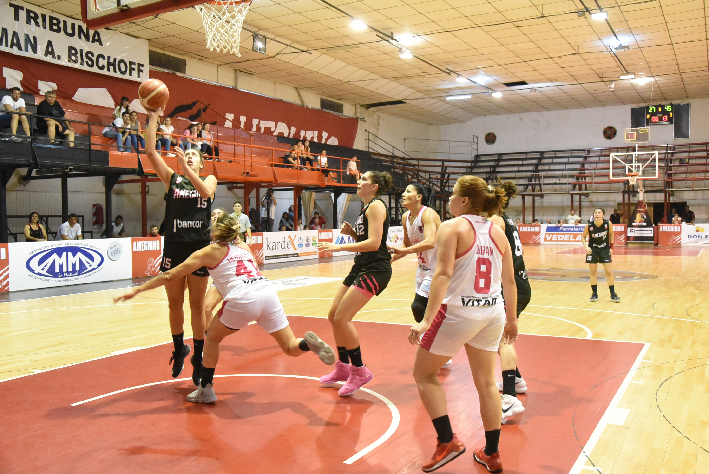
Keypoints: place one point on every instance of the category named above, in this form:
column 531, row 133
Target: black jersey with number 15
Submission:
column 187, row 213
column 516, row 246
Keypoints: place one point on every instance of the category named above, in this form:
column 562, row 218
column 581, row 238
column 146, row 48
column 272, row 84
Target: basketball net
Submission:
column 632, row 178
column 222, row 24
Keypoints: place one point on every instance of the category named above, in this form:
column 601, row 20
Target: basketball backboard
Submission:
column 104, row 13
column 639, row 164
column 637, row 135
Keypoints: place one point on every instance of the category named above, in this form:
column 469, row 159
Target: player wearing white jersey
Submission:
column 465, row 308
column 248, row 296
column 420, row 226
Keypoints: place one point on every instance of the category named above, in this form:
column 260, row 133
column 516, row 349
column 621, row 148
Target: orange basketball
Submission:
column 153, row 94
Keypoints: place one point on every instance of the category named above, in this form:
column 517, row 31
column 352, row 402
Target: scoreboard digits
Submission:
column 659, row 114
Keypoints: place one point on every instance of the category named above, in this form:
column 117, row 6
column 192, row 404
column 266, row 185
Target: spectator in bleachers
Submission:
column 70, row 230
column 688, row 215
column 208, row 146
column 137, row 136
column 305, row 156
column 189, row 141
column 165, row 138
column 615, row 217
column 291, row 213
column 548, row 221
column 34, row 231
column 153, row 231
column 535, row 222
column 317, row 222
column 353, row 173
column 322, row 163
column 118, row 229
column 51, row 119
column 12, row 107
column 572, row 217
column 122, row 108
column 117, row 130
column 518, row 221
column 285, row 223
column 300, row 224
column 676, row 219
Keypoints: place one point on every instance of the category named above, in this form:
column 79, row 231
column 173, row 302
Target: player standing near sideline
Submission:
column 598, row 249
column 187, row 217
column 249, row 297
column 512, row 381
column 465, row 308
column 369, row 276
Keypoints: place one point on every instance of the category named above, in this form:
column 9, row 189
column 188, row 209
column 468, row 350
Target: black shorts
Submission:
column 176, row 253
column 370, row 278
column 524, row 293
column 599, row 255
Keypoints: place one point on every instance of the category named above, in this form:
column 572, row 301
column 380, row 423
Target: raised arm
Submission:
column 163, row 171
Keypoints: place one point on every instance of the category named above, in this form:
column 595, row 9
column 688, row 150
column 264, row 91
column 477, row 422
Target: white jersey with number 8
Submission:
column 476, row 282
column 237, row 274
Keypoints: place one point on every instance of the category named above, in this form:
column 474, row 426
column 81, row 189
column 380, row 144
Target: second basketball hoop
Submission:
column 222, row 24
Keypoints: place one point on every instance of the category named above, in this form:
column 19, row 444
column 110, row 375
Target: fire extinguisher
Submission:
column 97, row 215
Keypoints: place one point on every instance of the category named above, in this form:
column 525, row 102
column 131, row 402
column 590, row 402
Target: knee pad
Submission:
column 419, row 310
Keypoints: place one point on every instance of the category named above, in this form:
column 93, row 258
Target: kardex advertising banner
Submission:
column 34, row 32
column 189, row 99
column 289, row 246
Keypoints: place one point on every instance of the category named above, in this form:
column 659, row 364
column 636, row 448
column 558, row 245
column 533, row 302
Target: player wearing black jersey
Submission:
column 512, row 381
column 187, row 221
column 598, row 249
column 369, row 276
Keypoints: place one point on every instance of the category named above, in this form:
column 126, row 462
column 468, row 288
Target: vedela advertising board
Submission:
column 288, row 246
column 564, row 234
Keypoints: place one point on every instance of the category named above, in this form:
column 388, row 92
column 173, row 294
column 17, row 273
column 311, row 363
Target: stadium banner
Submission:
column 562, row 234
column 695, row 234
column 256, row 247
column 51, row 264
column 4, row 269
column 669, row 234
column 290, row 246
column 619, row 234
column 395, row 237
column 529, row 234
column 325, row 236
column 340, row 239
column 34, row 32
column 146, row 256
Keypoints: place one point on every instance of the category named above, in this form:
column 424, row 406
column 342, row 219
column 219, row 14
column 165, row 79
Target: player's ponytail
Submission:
column 509, row 188
column 383, row 181
column 482, row 198
column 426, row 193
column 226, row 229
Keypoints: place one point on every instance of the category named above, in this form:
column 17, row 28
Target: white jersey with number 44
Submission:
column 476, row 281
column 237, row 274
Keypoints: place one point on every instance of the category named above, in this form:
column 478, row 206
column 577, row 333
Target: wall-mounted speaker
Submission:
column 637, row 117
column 681, row 120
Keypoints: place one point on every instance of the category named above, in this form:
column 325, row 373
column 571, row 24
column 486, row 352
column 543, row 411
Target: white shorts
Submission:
column 450, row 331
column 262, row 306
column 423, row 282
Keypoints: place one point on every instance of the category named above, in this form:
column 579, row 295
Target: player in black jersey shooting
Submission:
column 369, row 276
column 187, row 223
column 598, row 249
column 512, row 381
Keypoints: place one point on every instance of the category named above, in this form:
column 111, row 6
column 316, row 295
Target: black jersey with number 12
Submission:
column 361, row 228
column 599, row 235
column 187, row 213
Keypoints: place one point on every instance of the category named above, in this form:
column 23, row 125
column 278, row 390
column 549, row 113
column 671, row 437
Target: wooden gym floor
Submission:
column 656, row 423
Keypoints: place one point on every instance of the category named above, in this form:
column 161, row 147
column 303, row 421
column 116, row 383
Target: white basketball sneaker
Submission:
column 520, row 385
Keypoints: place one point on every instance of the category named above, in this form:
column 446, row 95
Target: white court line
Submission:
column 621, row 312
column 589, row 334
column 607, row 416
column 395, row 416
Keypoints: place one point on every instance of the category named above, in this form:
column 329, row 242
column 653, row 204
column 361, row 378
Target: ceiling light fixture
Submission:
column 599, row 15
column 408, row 39
column 480, row 79
column 627, row 75
column 621, row 47
column 358, row 25
column 497, row 94
column 461, row 78
column 259, row 44
column 459, row 97
column 611, row 86
column 643, row 80
column 405, row 54
column 532, row 90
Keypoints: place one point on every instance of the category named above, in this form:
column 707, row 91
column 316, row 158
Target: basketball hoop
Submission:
column 222, row 24
column 632, row 178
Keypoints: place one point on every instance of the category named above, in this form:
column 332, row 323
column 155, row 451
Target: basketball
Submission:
column 153, row 94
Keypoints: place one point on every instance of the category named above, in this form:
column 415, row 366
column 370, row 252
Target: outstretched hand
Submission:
column 130, row 293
